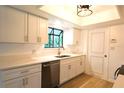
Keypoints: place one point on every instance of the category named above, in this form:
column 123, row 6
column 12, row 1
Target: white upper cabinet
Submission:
column 13, row 25
column 20, row 27
column 32, row 28
column 43, row 30
column 76, row 36
column 37, row 29
column 72, row 37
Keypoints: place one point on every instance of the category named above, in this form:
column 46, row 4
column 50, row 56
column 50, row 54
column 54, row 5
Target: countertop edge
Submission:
column 36, row 62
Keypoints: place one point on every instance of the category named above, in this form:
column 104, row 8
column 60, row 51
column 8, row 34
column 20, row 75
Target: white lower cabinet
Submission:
column 70, row 68
column 79, row 67
column 34, row 80
column 29, row 81
column 15, row 83
column 23, row 77
column 64, row 71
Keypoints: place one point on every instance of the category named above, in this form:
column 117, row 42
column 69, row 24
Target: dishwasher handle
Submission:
column 46, row 65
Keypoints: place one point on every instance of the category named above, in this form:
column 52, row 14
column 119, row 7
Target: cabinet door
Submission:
column 82, row 64
column 32, row 28
column 29, row 81
column 79, row 67
column 76, row 37
column 72, row 71
column 43, row 31
column 64, row 71
column 33, row 80
column 15, row 83
column 13, row 25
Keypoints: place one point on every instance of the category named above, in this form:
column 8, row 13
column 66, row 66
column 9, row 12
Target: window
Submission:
column 55, row 38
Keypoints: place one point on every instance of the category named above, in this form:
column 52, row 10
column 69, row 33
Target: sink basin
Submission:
column 62, row 56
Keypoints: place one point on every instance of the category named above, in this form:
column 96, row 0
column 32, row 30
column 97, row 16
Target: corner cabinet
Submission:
column 22, row 27
column 74, row 37
column 71, row 67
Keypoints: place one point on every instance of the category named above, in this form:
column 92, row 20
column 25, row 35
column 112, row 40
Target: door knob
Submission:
column 105, row 55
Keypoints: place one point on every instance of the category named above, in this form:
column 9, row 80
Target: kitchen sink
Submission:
column 62, row 56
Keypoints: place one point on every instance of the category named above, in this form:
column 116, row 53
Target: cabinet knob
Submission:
column 69, row 66
column 81, row 63
column 105, row 55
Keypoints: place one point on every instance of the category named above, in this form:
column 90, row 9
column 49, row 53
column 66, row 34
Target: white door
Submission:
column 98, row 52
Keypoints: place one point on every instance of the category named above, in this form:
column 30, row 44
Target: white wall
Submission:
column 116, row 49
column 32, row 49
column 84, row 41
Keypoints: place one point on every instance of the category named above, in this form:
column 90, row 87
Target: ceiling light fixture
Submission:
column 83, row 10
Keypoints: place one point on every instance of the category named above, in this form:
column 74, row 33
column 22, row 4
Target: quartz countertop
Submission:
column 119, row 82
column 8, row 63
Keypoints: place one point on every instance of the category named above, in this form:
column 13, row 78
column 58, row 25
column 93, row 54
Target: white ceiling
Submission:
column 66, row 16
column 69, row 12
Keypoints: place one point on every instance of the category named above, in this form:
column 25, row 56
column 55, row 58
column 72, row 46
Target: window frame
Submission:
column 53, row 35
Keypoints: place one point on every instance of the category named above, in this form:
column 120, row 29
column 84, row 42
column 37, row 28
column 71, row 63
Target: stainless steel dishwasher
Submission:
column 50, row 74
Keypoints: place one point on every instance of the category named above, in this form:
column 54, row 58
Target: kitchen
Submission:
column 41, row 47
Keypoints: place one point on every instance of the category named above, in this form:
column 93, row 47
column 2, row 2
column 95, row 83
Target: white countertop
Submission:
column 8, row 63
column 119, row 82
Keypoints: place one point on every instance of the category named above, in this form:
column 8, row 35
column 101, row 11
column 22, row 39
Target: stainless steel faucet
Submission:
column 59, row 50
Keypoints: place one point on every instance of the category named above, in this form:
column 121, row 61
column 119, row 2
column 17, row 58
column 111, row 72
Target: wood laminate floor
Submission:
column 87, row 81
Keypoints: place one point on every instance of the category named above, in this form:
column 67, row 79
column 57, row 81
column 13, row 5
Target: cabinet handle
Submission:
column 26, row 38
column 25, row 81
column 81, row 63
column 47, row 65
column 69, row 66
column 38, row 39
column 26, row 71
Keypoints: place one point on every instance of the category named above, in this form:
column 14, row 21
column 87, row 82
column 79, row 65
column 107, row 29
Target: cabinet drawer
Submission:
column 22, row 71
column 71, row 59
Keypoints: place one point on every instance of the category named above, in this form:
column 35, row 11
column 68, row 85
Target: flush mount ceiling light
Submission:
column 83, row 10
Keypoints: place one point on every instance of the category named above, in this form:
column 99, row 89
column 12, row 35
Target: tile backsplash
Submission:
column 19, row 49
